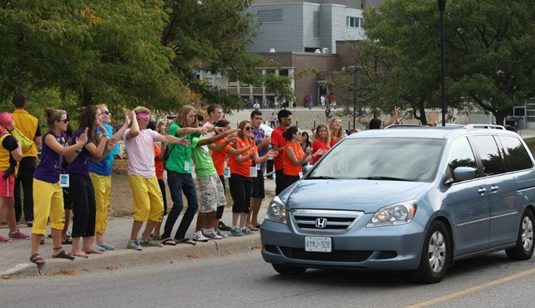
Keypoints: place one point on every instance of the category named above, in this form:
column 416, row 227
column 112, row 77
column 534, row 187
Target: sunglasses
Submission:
column 64, row 120
column 248, row 128
column 106, row 112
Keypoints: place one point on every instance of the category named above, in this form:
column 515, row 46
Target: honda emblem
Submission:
column 321, row 223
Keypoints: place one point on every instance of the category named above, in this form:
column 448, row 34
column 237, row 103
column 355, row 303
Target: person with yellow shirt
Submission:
column 29, row 126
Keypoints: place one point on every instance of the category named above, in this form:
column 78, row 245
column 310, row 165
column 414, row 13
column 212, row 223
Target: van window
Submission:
column 461, row 154
column 516, row 156
column 489, row 154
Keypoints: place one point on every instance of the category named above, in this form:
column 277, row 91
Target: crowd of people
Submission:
column 82, row 158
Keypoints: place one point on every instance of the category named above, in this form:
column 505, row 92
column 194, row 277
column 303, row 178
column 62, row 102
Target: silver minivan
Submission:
column 406, row 199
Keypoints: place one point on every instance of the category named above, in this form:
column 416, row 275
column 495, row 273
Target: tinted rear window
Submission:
column 516, row 156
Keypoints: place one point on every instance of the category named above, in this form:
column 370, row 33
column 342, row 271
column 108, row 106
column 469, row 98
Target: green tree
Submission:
column 214, row 35
column 488, row 55
column 99, row 50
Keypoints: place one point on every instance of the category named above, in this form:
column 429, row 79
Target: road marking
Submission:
column 471, row 290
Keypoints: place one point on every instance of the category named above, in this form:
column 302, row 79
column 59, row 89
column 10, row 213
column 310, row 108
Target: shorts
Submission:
column 7, row 186
column 258, row 186
column 212, row 193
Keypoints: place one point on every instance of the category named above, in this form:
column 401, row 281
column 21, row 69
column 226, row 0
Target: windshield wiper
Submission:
column 322, row 177
column 385, row 178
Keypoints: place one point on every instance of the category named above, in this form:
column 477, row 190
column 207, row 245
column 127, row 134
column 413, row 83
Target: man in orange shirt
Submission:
column 29, row 126
column 277, row 143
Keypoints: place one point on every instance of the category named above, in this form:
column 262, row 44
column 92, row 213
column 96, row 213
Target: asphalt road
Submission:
column 244, row 280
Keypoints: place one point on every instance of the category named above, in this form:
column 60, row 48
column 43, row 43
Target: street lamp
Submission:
column 354, row 95
column 441, row 8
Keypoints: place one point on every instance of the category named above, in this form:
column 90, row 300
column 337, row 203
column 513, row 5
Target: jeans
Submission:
column 25, row 177
column 178, row 183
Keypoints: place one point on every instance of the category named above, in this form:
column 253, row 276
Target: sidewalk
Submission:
column 14, row 256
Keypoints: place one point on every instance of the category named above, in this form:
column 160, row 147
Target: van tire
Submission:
column 436, row 252
column 524, row 243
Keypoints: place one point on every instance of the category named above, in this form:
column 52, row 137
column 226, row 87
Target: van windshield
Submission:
column 398, row 159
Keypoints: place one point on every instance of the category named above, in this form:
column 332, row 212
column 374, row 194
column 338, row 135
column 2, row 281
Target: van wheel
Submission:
column 288, row 269
column 435, row 254
column 524, row 243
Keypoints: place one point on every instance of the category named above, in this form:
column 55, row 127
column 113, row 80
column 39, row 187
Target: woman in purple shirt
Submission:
column 48, row 195
column 81, row 188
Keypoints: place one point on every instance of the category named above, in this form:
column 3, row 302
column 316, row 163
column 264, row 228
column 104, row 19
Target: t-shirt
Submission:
column 259, row 136
column 208, row 125
column 289, row 168
column 158, row 163
column 141, row 153
column 51, row 162
column 104, row 166
column 179, row 155
column 9, row 143
column 204, row 165
column 242, row 169
column 219, row 157
column 29, row 126
column 278, row 141
column 316, row 145
column 80, row 165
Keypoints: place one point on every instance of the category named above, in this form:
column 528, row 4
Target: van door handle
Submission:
column 482, row 190
column 494, row 189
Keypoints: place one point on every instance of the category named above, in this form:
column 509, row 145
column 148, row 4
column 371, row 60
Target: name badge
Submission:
column 186, row 166
column 226, row 173
column 258, row 167
column 301, row 175
column 64, row 180
column 253, row 172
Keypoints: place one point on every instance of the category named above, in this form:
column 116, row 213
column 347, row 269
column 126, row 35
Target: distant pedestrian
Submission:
column 322, row 100
column 29, row 126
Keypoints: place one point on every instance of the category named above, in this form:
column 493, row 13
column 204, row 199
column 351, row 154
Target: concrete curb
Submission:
column 123, row 258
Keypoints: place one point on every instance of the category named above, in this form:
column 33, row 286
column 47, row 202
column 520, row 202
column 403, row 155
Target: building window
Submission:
column 284, row 72
column 269, row 15
column 354, row 22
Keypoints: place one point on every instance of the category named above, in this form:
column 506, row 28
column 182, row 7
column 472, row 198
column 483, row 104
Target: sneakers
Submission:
column 199, row 237
column 4, row 239
column 236, row 232
column 151, row 243
column 247, row 231
column 29, row 223
column 223, row 235
column 18, row 235
column 223, row 227
column 210, row 234
column 133, row 244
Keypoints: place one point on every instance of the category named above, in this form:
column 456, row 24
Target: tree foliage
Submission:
column 487, row 48
column 126, row 52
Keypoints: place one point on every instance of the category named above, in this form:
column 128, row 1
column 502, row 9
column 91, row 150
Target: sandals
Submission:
column 186, row 241
column 169, row 242
column 63, row 255
column 37, row 259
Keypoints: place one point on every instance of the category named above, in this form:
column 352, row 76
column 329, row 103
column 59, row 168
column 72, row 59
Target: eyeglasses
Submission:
column 64, row 120
column 248, row 128
column 106, row 112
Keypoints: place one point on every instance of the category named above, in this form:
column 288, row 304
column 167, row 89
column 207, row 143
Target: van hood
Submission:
column 359, row 195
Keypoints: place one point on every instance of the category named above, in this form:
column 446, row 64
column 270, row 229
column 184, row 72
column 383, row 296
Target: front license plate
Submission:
column 323, row 244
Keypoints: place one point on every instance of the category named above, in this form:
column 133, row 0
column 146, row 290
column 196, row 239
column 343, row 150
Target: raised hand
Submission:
column 111, row 144
column 273, row 153
column 308, row 151
column 82, row 139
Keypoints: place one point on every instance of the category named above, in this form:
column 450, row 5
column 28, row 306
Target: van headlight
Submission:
column 276, row 211
column 393, row 215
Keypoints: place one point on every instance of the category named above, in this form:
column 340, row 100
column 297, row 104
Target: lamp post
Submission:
column 354, row 95
column 441, row 8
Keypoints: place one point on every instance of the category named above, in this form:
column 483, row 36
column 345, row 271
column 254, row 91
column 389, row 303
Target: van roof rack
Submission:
column 484, row 126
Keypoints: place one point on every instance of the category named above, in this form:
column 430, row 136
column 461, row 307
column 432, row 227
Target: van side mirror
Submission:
column 460, row 174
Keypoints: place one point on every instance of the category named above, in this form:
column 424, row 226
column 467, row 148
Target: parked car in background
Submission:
column 406, row 199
